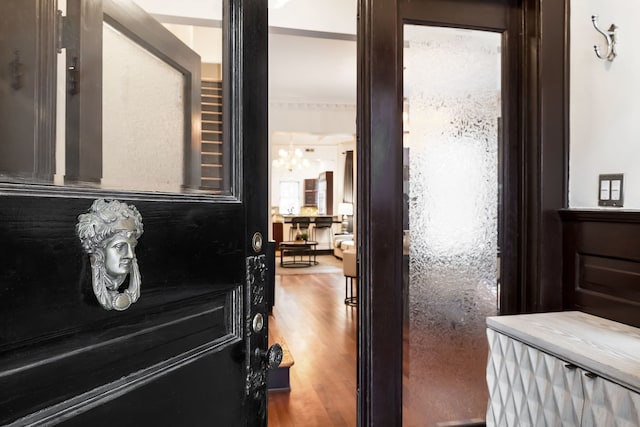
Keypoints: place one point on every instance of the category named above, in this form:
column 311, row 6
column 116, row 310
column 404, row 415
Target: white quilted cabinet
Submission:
column 562, row 369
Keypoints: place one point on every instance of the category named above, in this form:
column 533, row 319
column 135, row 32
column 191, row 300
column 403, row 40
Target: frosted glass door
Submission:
column 451, row 118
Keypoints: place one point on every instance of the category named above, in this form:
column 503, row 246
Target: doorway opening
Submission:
column 312, row 126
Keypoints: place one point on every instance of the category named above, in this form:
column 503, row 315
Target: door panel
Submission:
column 199, row 407
column 57, row 336
column 176, row 260
column 186, row 352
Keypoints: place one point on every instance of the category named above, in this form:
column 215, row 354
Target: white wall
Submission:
column 336, row 16
column 312, row 117
column 604, row 120
column 206, row 41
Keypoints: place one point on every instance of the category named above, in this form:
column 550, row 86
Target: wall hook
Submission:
column 610, row 38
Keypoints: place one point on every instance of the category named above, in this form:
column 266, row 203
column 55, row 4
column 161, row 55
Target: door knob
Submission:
column 272, row 357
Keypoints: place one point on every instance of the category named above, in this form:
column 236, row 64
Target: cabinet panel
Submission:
column 609, row 404
column 310, row 192
column 528, row 387
column 530, row 384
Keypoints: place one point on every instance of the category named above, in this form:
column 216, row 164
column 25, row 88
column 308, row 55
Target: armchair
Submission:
column 341, row 242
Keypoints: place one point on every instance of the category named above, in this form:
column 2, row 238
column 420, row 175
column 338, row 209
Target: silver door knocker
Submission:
column 109, row 233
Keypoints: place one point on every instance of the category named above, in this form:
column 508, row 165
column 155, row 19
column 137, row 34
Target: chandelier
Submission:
column 290, row 159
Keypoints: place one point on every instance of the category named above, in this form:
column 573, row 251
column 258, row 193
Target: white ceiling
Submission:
column 304, row 69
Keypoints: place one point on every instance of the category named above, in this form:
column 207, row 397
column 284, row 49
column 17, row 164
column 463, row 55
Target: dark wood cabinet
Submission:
column 311, row 192
column 277, row 229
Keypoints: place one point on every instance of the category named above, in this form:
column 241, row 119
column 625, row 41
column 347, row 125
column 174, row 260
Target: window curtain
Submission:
column 347, row 190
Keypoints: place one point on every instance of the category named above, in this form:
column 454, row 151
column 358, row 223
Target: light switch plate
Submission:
column 610, row 190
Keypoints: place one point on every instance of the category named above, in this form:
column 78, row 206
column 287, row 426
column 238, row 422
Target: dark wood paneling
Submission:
column 511, row 172
column 193, row 395
column 546, row 169
column 181, row 244
column 310, row 192
column 379, row 237
column 87, row 361
column 56, row 341
column 602, row 263
column 480, row 15
column 610, row 276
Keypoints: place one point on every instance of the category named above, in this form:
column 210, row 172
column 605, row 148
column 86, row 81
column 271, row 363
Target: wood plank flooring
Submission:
column 442, row 385
column 321, row 333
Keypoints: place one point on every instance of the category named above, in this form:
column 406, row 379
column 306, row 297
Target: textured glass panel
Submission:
column 143, row 118
column 452, row 107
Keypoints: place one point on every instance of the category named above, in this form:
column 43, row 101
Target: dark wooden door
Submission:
column 187, row 348
column 532, row 172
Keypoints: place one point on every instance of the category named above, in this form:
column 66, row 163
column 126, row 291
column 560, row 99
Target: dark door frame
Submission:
column 535, row 179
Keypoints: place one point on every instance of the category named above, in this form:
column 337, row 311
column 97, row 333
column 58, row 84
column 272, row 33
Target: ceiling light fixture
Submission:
column 290, row 159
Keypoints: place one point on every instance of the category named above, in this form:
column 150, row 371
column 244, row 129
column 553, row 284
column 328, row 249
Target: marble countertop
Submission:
column 604, row 347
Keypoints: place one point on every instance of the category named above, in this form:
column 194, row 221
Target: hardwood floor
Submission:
column 321, row 333
column 443, row 383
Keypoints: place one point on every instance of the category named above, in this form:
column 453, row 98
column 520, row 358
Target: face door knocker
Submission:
column 109, row 233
